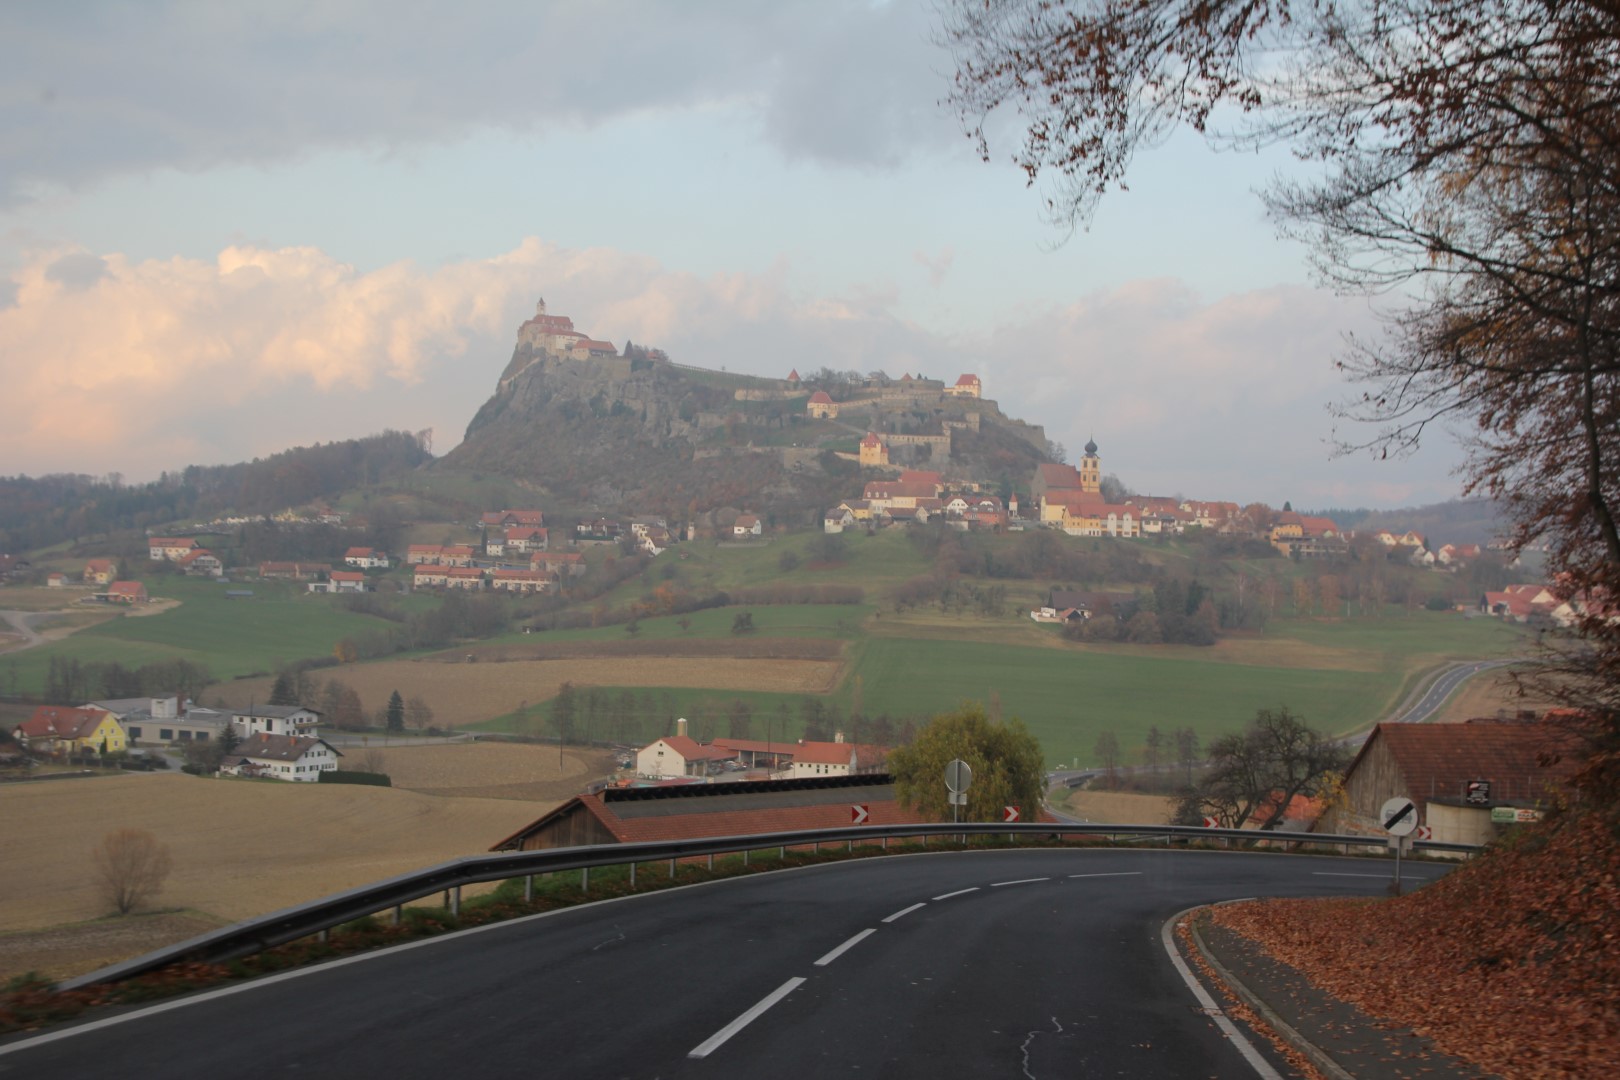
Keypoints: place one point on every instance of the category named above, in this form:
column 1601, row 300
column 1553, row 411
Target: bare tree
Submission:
column 1107, row 752
column 130, row 865
column 1255, row 774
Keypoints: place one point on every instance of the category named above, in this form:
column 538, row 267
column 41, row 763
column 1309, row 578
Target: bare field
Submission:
column 487, row 770
column 1488, row 695
column 240, row 848
column 465, row 693
column 1119, row 808
column 65, row 951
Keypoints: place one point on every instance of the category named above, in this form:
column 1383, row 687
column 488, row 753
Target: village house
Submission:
column 1519, row 603
column 525, row 539
column 464, row 577
column 341, row 581
column 170, row 548
column 747, row 526
column 55, row 579
column 126, row 592
column 836, row 758
column 60, row 731
column 297, row 758
column 100, row 572
column 365, row 558
column 457, row 555
column 294, row 571
column 423, row 554
column 506, row 519
column 202, row 563
column 428, row 576
column 508, row 579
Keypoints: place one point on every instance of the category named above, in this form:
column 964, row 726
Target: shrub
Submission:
column 356, row 776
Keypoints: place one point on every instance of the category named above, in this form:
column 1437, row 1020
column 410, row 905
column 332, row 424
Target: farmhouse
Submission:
column 678, row 755
column 282, row 757
column 632, row 815
column 746, row 525
column 99, row 572
column 341, row 581
column 837, row 758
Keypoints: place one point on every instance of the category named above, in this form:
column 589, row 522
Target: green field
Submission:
column 228, row 637
column 1340, row 674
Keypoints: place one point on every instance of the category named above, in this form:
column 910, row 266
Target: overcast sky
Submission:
column 226, row 229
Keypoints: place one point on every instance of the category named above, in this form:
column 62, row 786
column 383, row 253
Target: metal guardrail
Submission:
column 316, row 916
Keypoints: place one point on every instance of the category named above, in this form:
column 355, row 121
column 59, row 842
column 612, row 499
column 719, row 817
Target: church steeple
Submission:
column 1091, row 468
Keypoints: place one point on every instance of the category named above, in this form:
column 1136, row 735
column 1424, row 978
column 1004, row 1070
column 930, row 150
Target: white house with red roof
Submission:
column 747, row 525
column 366, row 558
column 341, row 581
column 821, row 407
column 526, row 539
column 201, row 562
column 100, row 572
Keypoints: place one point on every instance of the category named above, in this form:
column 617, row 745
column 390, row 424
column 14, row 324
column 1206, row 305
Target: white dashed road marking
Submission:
column 903, row 912
column 715, row 1041
column 845, row 947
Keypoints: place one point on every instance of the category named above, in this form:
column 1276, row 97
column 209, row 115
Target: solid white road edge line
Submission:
column 958, row 892
column 1122, row 873
column 715, row 1041
column 846, row 946
column 1386, row 877
column 903, row 912
column 1020, row 881
column 1214, row 1011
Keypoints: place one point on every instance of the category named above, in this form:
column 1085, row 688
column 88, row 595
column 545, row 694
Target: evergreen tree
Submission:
column 284, row 692
column 396, row 713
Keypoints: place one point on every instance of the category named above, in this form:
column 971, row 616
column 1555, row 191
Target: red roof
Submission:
column 692, row 750
column 968, row 380
column 793, row 376
column 871, row 440
column 347, row 575
column 127, row 588
column 358, row 553
column 61, row 722
column 822, row 753
column 820, row 398
column 1059, row 476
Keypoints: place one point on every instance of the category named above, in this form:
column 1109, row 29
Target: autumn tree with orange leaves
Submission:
column 1468, row 157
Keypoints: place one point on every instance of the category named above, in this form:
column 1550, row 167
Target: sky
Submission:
column 228, row 229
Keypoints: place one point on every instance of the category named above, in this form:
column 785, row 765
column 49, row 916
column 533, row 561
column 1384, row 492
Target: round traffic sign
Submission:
column 1398, row 816
column 958, row 775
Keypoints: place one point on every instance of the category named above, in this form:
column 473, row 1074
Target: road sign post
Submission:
column 1399, row 818
column 958, row 777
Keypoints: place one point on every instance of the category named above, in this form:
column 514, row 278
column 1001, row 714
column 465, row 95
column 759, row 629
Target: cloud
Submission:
column 159, row 364
column 90, row 91
column 77, row 270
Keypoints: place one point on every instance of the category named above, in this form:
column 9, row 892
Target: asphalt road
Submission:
column 1019, row 964
column 1443, row 688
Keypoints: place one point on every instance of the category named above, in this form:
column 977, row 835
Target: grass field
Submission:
column 229, row 637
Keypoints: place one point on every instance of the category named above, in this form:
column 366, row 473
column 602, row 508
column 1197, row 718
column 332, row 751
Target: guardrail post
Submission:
column 585, row 879
column 399, row 914
column 632, row 875
column 325, row 935
column 850, row 848
column 711, row 862
column 885, row 843
column 672, row 869
column 528, row 889
column 781, row 853
column 455, row 900
column 745, row 855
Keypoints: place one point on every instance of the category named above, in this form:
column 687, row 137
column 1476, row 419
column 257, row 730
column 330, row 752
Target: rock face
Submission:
column 639, row 433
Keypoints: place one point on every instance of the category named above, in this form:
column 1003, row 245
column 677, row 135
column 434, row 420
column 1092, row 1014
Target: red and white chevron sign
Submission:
column 1010, row 813
column 1423, row 832
column 859, row 813
column 1209, row 822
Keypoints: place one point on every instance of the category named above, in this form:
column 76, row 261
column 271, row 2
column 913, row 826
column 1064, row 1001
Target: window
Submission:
column 166, row 734
column 202, row 736
column 134, row 732
column 185, row 736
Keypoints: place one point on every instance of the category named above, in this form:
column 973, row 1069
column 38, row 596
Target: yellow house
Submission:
column 55, row 729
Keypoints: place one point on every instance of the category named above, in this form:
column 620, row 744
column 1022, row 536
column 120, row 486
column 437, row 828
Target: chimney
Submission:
column 838, row 736
column 680, row 726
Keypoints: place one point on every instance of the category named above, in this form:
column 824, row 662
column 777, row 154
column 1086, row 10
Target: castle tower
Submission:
column 540, row 308
column 1091, row 468
column 873, row 452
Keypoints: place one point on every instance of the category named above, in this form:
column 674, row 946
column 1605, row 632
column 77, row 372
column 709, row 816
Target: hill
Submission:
column 639, row 433
column 1460, row 521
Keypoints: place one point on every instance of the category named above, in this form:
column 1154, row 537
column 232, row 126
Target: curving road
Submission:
column 1042, row 963
column 1443, row 687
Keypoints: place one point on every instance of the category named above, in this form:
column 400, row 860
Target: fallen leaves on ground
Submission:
column 1511, row 963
